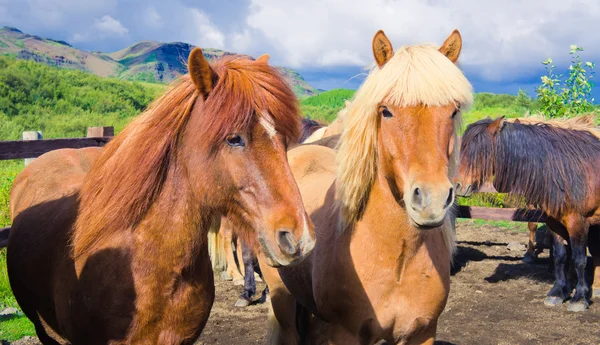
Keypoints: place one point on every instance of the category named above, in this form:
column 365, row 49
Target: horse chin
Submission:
column 426, row 224
column 276, row 260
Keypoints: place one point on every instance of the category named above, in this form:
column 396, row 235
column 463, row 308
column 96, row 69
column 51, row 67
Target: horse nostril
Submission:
column 450, row 198
column 286, row 242
column 417, row 199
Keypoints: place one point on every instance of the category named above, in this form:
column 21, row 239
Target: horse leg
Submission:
column 578, row 232
column 281, row 328
column 249, row 282
column 239, row 252
column 233, row 273
column 530, row 254
column 561, row 289
column 594, row 247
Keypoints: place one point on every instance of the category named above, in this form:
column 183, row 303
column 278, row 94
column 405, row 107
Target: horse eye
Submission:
column 455, row 113
column 386, row 113
column 235, row 141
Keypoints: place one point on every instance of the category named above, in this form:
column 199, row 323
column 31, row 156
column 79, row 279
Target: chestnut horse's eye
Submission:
column 235, row 141
column 386, row 113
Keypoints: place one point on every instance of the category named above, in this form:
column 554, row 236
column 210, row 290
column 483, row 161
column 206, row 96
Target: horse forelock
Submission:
column 415, row 75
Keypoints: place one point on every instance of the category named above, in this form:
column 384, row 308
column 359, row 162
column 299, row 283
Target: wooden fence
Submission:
column 99, row 136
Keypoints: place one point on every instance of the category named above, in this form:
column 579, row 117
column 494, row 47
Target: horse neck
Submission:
column 384, row 221
column 174, row 231
column 177, row 219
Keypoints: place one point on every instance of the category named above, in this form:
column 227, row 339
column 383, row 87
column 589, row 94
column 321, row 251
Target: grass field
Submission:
column 11, row 327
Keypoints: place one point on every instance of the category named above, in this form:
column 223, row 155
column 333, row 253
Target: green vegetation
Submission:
column 63, row 103
column 326, row 105
column 572, row 96
column 11, row 327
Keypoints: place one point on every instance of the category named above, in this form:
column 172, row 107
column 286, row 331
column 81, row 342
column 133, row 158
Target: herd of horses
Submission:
column 351, row 225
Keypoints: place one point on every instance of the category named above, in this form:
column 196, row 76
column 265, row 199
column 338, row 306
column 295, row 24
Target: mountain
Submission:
column 148, row 61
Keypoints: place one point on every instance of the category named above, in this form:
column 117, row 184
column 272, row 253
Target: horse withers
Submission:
column 118, row 254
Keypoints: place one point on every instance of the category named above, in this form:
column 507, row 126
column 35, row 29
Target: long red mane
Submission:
column 129, row 174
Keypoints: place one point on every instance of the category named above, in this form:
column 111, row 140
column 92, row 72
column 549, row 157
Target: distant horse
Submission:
column 119, row 254
column 314, row 131
column 552, row 164
column 382, row 208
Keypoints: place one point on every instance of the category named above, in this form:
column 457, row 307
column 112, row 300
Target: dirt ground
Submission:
column 495, row 299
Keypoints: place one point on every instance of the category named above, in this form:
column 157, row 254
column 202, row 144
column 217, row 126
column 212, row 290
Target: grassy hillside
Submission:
column 326, row 105
column 63, row 103
column 145, row 61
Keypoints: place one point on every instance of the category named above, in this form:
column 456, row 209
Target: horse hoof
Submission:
column 578, row 306
column 241, row 303
column 238, row 282
column 529, row 258
column 553, row 301
column 225, row 276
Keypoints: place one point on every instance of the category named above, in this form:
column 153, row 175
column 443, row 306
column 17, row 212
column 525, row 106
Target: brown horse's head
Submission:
column 234, row 148
column 409, row 111
column 476, row 156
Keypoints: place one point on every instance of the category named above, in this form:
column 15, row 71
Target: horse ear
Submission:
column 382, row 48
column 201, row 73
column 517, row 121
column 496, row 126
column 452, row 46
column 264, row 59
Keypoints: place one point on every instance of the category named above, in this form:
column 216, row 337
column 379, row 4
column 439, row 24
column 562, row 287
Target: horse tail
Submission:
column 216, row 249
column 273, row 329
column 309, row 127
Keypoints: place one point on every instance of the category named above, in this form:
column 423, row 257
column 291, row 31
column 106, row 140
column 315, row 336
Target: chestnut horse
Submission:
column 119, row 256
column 552, row 164
column 382, row 208
column 222, row 243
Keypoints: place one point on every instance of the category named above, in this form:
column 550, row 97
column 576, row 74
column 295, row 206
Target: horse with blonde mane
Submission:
column 382, row 208
column 115, row 251
column 551, row 164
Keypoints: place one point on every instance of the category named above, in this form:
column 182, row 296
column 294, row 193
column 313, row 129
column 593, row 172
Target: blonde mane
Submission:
column 585, row 122
column 415, row 75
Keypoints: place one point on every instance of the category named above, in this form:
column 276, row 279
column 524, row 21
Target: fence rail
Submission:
column 35, row 148
column 99, row 136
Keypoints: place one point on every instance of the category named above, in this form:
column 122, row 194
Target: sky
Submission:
column 329, row 41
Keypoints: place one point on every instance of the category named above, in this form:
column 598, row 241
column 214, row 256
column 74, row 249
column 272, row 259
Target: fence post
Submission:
column 97, row 132
column 31, row 135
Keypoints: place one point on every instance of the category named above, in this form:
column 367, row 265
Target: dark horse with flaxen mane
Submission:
column 110, row 246
column 553, row 166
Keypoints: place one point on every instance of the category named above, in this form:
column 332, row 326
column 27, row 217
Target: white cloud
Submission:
column 109, row 26
column 152, row 18
column 207, row 34
column 501, row 39
column 104, row 27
